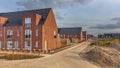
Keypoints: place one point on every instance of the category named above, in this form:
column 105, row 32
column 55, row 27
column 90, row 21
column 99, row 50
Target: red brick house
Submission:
column 71, row 34
column 31, row 29
column 85, row 36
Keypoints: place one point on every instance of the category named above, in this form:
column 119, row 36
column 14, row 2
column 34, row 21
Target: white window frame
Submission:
column 37, row 31
column 28, row 20
column 10, row 32
column 27, row 32
column 36, row 44
column 8, row 45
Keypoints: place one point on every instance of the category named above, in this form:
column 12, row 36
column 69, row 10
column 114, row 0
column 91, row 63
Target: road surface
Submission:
column 68, row 58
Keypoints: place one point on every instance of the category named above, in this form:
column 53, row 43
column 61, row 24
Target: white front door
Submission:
column 9, row 45
column 0, row 44
column 16, row 44
column 46, row 46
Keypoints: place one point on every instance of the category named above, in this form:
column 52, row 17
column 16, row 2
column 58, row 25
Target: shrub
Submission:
column 63, row 41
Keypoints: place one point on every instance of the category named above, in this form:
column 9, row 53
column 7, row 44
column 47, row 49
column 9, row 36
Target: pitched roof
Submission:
column 15, row 18
column 75, row 30
column 84, row 32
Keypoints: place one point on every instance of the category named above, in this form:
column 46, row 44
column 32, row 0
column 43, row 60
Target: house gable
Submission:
column 3, row 20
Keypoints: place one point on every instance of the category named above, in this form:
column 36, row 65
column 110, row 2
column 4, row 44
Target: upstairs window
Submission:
column 9, row 33
column 75, row 36
column 18, row 33
column 36, row 32
column 0, row 32
column 27, row 33
column 28, row 22
column 36, row 44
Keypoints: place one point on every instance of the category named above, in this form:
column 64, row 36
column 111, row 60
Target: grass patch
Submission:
column 7, row 56
column 108, row 42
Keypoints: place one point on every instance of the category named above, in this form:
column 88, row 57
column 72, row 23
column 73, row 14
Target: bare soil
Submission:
column 103, row 56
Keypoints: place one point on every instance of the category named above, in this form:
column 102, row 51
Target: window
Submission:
column 27, row 33
column 61, row 36
column 36, row 44
column 58, row 35
column 18, row 33
column 64, row 35
column 75, row 36
column 27, row 22
column 16, row 44
column 9, row 45
column 55, row 34
column 0, row 44
column 68, row 36
column 9, row 33
column 36, row 32
column 0, row 32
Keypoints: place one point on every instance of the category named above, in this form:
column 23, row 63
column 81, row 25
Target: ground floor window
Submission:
column 9, row 45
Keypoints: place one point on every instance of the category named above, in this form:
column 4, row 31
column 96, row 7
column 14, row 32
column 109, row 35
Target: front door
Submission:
column 16, row 44
column 46, row 46
column 55, row 44
column 9, row 45
column 0, row 44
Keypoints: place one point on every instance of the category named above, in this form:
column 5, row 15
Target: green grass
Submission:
column 108, row 42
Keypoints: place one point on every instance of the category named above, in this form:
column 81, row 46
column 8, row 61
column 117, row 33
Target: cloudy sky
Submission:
column 95, row 16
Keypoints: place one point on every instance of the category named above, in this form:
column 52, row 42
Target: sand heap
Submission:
column 105, row 57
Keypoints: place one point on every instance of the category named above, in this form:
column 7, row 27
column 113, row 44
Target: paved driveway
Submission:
column 68, row 58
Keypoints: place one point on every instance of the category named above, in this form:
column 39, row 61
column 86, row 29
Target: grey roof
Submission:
column 75, row 30
column 15, row 18
column 112, row 34
column 84, row 32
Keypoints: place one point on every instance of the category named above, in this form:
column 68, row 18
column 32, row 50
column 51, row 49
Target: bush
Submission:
column 63, row 41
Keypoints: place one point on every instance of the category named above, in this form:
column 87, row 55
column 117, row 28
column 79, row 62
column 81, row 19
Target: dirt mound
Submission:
column 105, row 57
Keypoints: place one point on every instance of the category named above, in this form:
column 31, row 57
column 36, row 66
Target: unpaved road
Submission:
column 68, row 58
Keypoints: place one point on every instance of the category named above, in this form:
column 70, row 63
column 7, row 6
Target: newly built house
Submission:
column 28, row 30
column 85, row 35
column 109, row 36
column 73, row 34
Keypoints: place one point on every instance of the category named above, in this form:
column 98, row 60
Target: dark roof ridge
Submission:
column 25, row 10
column 70, row 27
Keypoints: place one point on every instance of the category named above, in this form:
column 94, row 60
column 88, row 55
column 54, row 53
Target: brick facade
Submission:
column 72, row 35
column 47, row 38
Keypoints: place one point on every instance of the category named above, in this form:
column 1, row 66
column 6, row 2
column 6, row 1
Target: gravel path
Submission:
column 68, row 58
